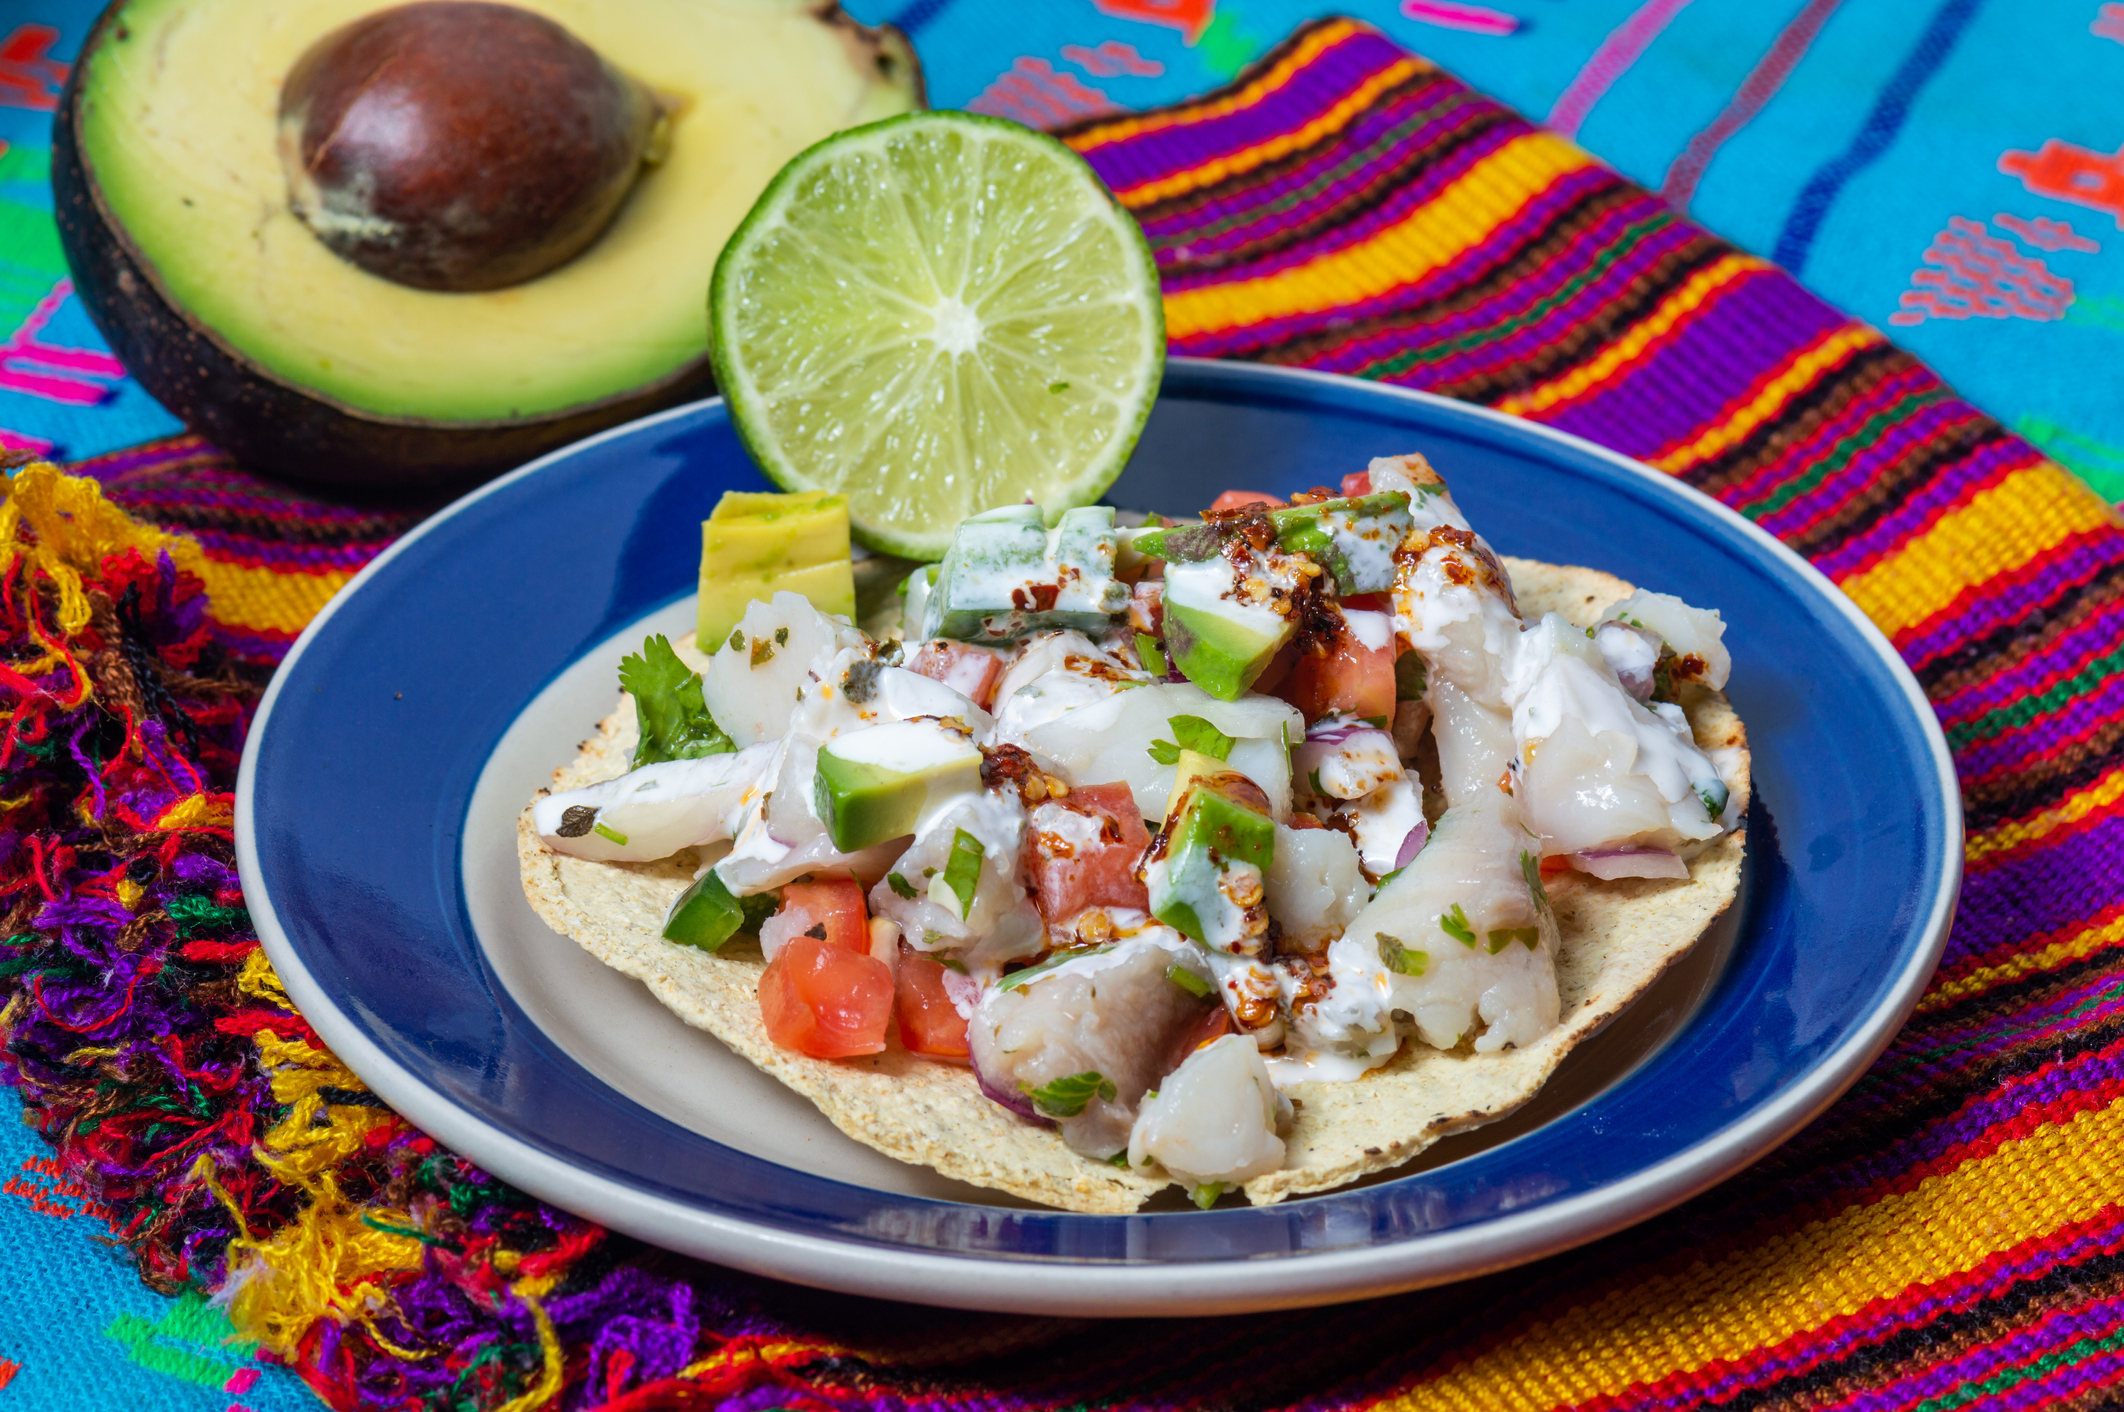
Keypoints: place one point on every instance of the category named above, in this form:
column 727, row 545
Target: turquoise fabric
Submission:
column 80, row 1333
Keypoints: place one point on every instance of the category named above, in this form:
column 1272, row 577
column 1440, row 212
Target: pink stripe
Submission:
column 1625, row 44
column 1761, row 85
column 1475, row 19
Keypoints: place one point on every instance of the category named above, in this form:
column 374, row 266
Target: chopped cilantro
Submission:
column 1205, row 1196
column 737, row 639
column 781, row 637
column 1192, row 733
column 1714, row 796
column 1067, row 1097
column 1119, row 1159
column 1400, row 959
column 962, row 871
column 1505, row 936
column 611, row 834
column 667, row 700
column 900, row 885
column 1530, row 869
column 762, row 651
column 1454, row 923
column 1058, row 387
column 1188, row 981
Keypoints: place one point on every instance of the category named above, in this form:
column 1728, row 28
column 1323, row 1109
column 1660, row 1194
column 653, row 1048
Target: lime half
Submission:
column 936, row 315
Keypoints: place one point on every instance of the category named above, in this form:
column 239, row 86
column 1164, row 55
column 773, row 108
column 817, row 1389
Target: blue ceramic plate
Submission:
column 433, row 695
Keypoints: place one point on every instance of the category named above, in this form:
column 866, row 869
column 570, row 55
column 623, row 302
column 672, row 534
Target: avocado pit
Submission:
column 457, row 145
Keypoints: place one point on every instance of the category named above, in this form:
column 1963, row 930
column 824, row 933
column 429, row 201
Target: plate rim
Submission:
column 1046, row 1285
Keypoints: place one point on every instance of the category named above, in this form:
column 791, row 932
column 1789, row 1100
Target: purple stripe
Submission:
column 1311, row 91
column 1520, row 348
column 1723, row 349
column 1927, row 427
column 2003, row 603
column 1422, row 187
column 1251, row 339
column 2056, row 1331
column 286, row 558
column 2057, row 730
column 2034, row 673
column 2043, row 891
column 1254, row 213
column 1914, row 515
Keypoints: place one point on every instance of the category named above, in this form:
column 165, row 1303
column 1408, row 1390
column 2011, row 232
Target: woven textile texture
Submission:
column 1949, row 1234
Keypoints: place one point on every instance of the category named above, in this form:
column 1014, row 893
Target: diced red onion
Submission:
column 1613, row 863
column 1007, row 1093
column 1413, row 844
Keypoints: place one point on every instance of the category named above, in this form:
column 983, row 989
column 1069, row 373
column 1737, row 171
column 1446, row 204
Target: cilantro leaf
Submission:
column 900, row 885
column 1714, row 795
column 1454, row 923
column 1530, row 869
column 1401, row 959
column 667, row 699
column 1192, row 733
column 962, row 871
column 1067, row 1097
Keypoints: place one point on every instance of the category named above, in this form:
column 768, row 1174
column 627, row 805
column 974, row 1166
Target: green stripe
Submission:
column 2096, row 462
column 2001, row 1035
column 1633, row 236
column 1254, row 215
column 2078, row 1351
column 2020, row 713
column 1840, row 455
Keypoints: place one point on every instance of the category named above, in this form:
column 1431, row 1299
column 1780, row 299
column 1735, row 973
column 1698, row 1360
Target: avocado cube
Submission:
column 885, row 782
column 1211, row 831
column 756, row 544
column 1219, row 643
column 1006, row 575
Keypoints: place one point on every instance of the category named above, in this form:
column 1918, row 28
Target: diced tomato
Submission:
column 971, row 671
column 826, row 1000
column 1233, row 499
column 1359, row 483
column 929, row 1023
column 1351, row 678
column 837, row 905
column 1278, row 668
column 1083, row 851
column 1370, row 602
column 1215, row 1022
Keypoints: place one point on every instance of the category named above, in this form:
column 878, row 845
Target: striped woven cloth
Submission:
column 1949, row 1234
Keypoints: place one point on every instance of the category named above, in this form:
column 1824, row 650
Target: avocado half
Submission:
column 174, row 214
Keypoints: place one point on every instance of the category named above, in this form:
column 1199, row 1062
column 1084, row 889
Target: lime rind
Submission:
column 936, row 314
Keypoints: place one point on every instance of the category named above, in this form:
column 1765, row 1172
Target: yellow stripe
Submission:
column 1800, row 373
column 1758, row 1298
column 1308, row 49
column 1433, row 235
column 1999, row 530
column 2106, row 792
column 2058, row 953
column 1248, row 158
column 1632, row 345
column 267, row 600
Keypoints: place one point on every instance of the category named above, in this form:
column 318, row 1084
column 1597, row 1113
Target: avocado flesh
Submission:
column 1006, row 575
column 757, row 543
column 1208, row 832
column 882, row 783
column 173, row 113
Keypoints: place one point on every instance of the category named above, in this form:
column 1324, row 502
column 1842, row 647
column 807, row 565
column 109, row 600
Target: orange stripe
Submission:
column 1454, row 221
column 1797, row 373
column 1247, row 158
column 1309, row 48
column 1585, row 380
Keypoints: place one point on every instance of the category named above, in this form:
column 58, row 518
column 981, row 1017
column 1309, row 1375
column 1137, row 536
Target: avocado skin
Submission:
column 265, row 423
